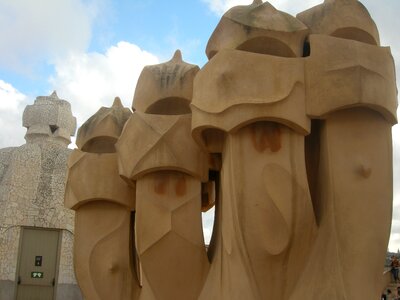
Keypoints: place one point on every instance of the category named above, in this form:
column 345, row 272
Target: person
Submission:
column 393, row 295
column 394, row 268
column 389, row 294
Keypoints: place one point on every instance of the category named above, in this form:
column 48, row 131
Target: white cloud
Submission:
column 208, row 224
column 91, row 80
column 219, row 7
column 12, row 103
column 10, row 98
column 294, row 7
column 396, row 226
column 38, row 31
column 394, row 244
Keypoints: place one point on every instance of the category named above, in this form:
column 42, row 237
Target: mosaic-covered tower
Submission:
column 36, row 230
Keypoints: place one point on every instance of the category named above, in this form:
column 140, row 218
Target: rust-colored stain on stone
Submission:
column 180, row 186
column 266, row 135
column 160, row 185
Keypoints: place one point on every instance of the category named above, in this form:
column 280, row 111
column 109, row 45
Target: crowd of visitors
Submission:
column 393, row 294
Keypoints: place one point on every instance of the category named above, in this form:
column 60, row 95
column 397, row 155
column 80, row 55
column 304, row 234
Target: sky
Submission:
column 90, row 51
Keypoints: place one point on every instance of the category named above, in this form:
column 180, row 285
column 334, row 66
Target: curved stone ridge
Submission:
column 258, row 27
column 263, row 15
column 100, row 132
column 165, row 88
column 347, row 19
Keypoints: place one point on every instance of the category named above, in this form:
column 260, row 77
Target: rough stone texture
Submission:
column 32, row 186
column 334, row 84
column 165, row 88
column 66, row 267
column 347, row 19
column 68, row 292
column 34, row 180
column 106, row 122
column 259, row 28
column 9, row 242
column 6, row 290
column 158, row 149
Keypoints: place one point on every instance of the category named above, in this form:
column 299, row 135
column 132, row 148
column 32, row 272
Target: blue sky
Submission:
column 157, row 26
column 93, row 50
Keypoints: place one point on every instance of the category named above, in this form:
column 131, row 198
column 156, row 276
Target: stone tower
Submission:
column 32, row 186
column 287, row 129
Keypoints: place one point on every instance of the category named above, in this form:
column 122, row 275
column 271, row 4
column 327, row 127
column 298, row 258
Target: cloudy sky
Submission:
column 93, row 50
